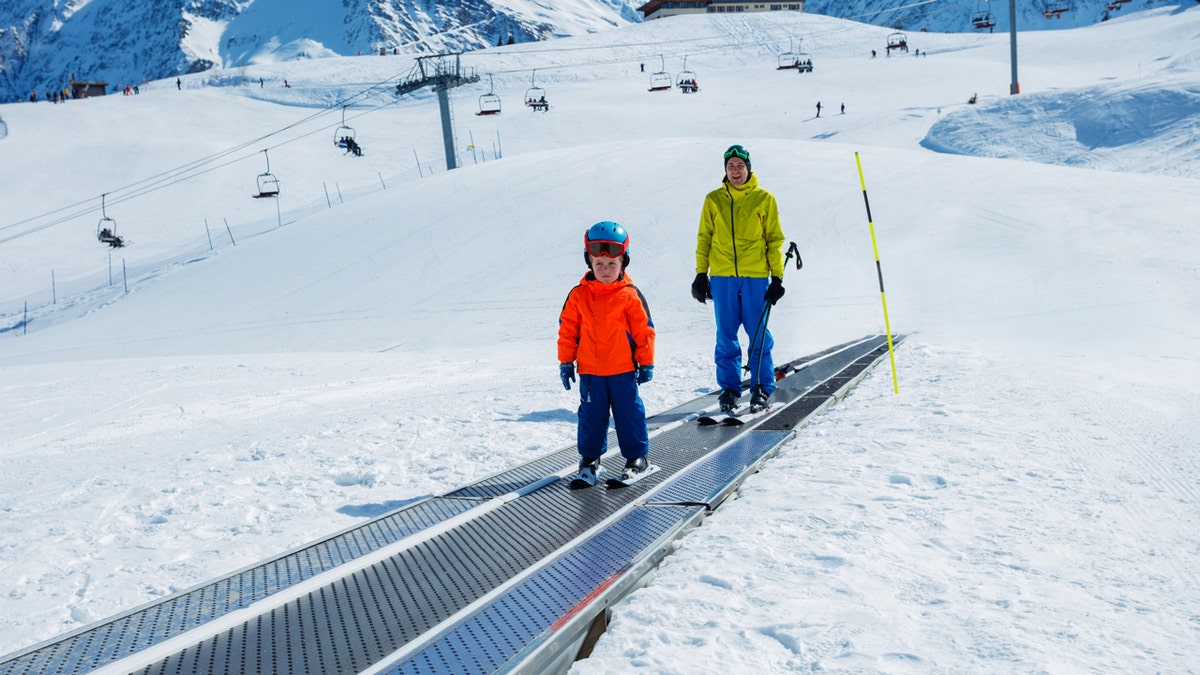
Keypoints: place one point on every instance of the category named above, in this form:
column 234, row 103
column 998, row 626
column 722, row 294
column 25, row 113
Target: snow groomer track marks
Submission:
column 515, row 572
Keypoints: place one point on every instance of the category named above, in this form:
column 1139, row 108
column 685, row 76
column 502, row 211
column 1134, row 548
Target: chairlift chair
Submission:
column 804, row 62
column 660, row 81
column 686, row 80
column 489, row 103
column 106, row 229
column 982, row 18
column 1055, row 10
column 790, row 59
column 898, row 41
column 983, row 21
column 342, row 132
column 268, row 184
column 535, row 96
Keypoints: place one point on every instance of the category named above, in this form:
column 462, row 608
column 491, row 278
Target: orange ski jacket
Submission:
column 605, row 328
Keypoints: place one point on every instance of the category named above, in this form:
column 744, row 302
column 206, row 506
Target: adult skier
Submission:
column 740, row 244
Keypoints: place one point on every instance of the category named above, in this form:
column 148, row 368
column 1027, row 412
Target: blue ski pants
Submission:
column 738, row 303
column 599, row 394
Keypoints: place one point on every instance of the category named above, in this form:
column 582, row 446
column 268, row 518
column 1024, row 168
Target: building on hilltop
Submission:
column 658, row 9
column 87, row 88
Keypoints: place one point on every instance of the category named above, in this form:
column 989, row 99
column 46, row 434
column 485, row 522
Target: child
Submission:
column 605, row 327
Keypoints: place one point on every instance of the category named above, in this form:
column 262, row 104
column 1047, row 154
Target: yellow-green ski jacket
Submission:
column 740, row 235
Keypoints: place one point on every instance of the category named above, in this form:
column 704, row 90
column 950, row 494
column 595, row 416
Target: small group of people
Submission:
column 130, row 90
column 107, row 236
column 689, row 86
column 538, row 103
column 55, row 96
column 351, row 146
column 606, row 336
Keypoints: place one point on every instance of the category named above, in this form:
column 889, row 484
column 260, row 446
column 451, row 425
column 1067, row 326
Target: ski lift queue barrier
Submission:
column 511, row 572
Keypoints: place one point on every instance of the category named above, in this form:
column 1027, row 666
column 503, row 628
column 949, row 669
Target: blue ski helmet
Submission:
column 606, row 238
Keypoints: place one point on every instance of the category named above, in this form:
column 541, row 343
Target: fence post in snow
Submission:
column 110, row 268
column 278, row 213
column 208, row 234
column 380, row 174
column 341, row 199
column 327, row 202
column 419, row 171
column 499, row 152
column 229, row 231
column 124, row 275
column 471, row 136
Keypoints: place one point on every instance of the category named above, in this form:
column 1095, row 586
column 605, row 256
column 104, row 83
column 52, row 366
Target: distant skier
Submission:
column 818, row 108
column 179, row 84
column 843, row 108
column 605, row 328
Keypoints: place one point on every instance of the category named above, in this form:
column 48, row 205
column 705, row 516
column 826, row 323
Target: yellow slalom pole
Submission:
column 879, row 270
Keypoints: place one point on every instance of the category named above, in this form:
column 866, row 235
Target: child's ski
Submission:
column 629, row 478
column 586, row 477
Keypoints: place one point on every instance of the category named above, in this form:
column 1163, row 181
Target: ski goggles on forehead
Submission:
column 606, row 249
column 737, row 151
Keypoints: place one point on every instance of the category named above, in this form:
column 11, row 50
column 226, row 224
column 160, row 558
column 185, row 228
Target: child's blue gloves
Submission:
column 567, row 372
column 645, row 374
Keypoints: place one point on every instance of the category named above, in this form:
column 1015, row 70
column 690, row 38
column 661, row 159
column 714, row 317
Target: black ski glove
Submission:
column 700, row 289
column 774, row 291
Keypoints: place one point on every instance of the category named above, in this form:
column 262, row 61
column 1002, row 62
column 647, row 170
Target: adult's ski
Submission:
column 743, row 415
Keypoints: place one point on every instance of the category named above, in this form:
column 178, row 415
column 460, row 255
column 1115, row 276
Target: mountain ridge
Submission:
column 45, row 43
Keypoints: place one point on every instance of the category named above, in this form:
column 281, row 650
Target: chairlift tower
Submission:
column 442, row 72
column 1015, row 86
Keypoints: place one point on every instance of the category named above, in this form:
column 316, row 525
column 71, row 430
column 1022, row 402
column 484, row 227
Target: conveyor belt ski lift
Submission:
column 268, row 184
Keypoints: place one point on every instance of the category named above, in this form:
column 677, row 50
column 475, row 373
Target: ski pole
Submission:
column 761, row 329
column 766, row 315
column 878, row 270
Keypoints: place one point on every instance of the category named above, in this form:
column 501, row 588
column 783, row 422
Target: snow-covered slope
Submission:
column 1026, row 503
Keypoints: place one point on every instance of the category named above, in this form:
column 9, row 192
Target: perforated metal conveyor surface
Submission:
column 504, row 573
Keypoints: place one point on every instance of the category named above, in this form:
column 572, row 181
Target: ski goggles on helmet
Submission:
column 737, row 151
column 607, row 249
